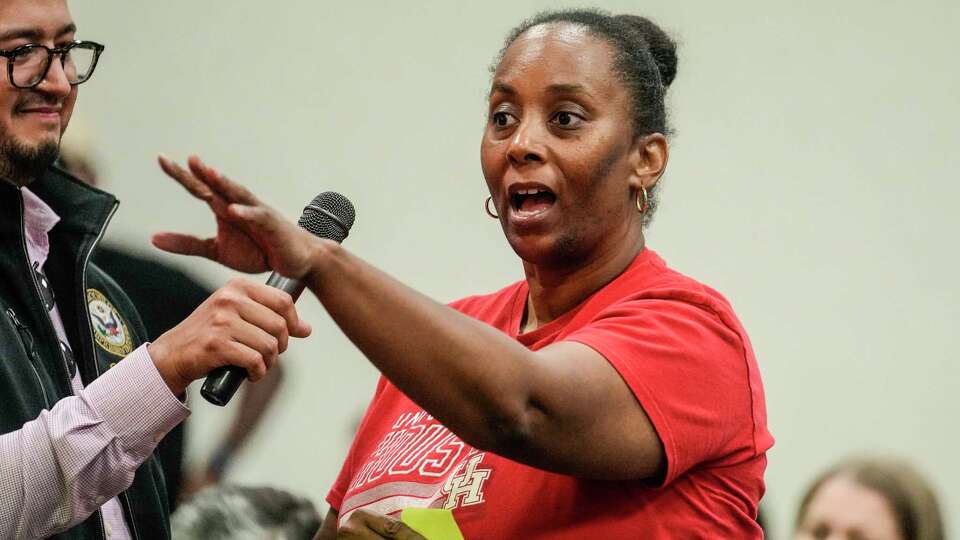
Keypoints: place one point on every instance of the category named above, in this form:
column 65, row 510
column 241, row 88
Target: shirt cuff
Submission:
column 135, row 402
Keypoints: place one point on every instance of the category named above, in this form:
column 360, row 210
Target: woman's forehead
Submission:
column 563, row 52
column 565, row 32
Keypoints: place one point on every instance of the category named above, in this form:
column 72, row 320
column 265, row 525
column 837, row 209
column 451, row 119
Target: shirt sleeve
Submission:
column 689, row 372
column 61, row 467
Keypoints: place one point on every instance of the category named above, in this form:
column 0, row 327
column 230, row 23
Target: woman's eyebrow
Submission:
column 559, row 88
column 503, row 88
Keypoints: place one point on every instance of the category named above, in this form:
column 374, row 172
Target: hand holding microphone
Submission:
column 252, row 237
column 243, row 323
column 329, row 215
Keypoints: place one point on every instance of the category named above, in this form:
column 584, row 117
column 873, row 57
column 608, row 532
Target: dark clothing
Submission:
column 164, row 297
column 34, row 374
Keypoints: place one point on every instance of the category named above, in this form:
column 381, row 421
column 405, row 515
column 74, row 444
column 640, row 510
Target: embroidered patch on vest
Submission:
column 109, row 330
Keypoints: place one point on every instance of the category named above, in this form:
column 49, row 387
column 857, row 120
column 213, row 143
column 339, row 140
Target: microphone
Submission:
column 329, row 215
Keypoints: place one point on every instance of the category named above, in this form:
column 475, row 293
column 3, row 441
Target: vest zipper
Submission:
column 83, row 284
column 36, row 289
column 27, row 338
column 36, row 286
column 63, row 358
column 134, row 535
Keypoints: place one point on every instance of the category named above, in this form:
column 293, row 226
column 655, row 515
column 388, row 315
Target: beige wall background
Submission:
column 813, row 181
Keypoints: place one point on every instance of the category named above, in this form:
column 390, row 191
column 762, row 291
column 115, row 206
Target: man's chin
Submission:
column 22, row 163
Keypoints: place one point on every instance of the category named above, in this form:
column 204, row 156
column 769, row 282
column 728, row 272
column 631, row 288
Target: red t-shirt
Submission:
column 685, row 356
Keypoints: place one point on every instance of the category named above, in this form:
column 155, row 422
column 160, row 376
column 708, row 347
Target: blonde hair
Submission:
column 912, row 499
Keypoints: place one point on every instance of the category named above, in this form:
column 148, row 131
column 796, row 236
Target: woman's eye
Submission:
column 502, row 119
column 567, row 120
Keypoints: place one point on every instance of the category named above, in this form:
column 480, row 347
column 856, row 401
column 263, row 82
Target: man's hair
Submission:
column 245, row 513
column 913, row 501
column 644, row 59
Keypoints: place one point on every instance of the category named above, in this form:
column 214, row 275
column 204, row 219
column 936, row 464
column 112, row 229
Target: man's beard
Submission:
column 22, row 164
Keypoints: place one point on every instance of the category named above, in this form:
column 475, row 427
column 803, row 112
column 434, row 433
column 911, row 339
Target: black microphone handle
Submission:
column 224, row 381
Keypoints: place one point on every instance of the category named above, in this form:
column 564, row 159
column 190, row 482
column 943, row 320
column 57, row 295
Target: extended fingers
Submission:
column 185, row 178
column 223, row 186
column 185, row 244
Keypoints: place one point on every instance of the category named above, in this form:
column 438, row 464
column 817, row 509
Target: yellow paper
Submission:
column 432, row 523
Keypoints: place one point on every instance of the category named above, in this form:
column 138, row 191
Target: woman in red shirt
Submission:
column 604, row 394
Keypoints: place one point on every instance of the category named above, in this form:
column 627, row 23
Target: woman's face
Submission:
column 842, row 509
column 558, row 152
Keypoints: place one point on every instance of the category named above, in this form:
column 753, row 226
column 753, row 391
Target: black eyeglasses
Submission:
column 27, row 65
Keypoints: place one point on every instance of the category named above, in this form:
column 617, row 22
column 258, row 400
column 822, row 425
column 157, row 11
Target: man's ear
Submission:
column 649, row 157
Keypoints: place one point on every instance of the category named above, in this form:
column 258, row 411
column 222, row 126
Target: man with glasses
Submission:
column 28, row 64
column 83, row 400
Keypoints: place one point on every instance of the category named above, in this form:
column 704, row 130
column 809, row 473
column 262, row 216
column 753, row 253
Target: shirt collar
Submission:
column 38, row 220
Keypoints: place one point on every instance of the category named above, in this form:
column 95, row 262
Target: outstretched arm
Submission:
column 562, row 408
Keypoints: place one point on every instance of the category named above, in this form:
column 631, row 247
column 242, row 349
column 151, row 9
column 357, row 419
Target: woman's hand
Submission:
column 251, row 236
column 364, row 524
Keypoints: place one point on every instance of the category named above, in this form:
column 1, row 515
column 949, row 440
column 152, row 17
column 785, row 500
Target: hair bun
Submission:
column 662, row 48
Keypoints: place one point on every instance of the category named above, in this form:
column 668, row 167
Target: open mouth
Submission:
column 528, row 202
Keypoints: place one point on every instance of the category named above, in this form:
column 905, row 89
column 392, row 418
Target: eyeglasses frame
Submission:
column 62, row 51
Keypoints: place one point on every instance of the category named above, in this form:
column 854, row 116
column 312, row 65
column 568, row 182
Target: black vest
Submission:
column 33, row 372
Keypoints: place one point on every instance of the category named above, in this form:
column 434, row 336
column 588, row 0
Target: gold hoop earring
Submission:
column 645, row 205
column 486, row 206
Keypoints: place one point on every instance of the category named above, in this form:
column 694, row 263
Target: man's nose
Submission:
column 55, row 82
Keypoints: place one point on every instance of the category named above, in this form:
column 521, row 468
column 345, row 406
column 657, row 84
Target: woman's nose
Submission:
column 527, row 144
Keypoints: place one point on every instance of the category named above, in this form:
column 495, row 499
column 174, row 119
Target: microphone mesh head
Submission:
column 329, row 215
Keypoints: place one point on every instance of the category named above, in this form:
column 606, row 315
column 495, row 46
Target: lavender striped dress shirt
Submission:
column 77, row 457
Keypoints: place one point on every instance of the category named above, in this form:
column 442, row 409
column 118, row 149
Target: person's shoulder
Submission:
column 651, row 278
column 495, row 301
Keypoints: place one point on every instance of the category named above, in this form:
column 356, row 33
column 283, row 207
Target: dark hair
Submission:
column 645, row 59
column 912, row 499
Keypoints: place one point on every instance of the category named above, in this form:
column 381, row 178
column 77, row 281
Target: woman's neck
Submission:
column 554, row 291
